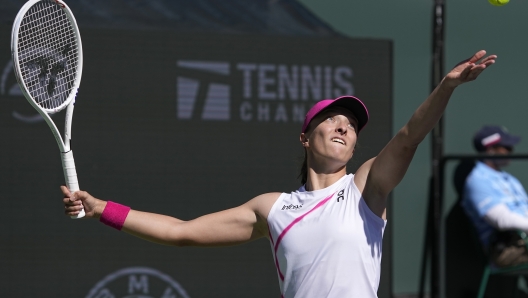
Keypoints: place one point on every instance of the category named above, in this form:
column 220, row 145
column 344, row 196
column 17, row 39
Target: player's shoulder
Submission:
column 263, row 203
column 267, row 198
column 360, row 177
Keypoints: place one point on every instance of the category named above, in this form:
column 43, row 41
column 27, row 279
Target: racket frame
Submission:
column 68, row 163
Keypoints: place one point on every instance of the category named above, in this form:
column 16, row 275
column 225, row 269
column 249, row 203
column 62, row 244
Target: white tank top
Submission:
column 326, row 243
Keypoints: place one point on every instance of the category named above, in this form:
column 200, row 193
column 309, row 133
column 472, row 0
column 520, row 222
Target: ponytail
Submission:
column 304, row 170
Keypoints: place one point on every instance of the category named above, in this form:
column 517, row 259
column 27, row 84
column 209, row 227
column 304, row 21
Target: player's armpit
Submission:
column 377, row 177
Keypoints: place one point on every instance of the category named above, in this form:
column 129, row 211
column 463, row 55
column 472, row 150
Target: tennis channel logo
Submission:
column 264, row 92
column 137, row 282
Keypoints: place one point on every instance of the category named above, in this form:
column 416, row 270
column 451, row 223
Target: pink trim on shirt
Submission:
column 271, row 237
column 298, row 219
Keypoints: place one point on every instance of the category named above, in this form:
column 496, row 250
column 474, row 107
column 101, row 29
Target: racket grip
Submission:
column 70, row 174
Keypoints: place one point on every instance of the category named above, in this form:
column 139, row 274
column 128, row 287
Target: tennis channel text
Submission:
column 255, row 91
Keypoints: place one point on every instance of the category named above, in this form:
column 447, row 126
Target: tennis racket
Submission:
column 47, row 58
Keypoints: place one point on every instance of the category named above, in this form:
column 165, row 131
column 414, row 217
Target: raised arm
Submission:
column 380, row 175
column 229, row 227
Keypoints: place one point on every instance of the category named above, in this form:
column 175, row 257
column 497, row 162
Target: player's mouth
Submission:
column 338, row 140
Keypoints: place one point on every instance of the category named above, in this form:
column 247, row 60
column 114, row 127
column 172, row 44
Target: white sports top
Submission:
column 326, row 243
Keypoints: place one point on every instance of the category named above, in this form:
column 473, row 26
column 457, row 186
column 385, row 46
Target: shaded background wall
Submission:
column 498, row 97
column 176, row 117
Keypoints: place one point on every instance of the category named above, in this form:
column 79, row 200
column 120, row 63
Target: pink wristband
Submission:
column 114, row 215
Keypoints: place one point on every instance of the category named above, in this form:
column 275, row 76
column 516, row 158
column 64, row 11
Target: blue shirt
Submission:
column 486, row 188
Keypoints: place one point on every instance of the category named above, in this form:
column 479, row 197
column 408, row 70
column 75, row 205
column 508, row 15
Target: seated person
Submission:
column 495, row 201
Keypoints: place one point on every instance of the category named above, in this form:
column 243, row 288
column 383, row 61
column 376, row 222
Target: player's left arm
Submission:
column 380, row 175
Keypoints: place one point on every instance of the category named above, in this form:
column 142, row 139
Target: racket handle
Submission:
column 70, row 174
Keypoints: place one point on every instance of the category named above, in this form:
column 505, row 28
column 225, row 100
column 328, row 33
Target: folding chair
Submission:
column 490, row 269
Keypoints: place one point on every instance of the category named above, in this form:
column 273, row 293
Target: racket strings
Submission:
column 47, row 52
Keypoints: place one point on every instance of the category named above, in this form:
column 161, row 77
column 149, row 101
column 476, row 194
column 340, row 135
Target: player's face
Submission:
column 332, row 136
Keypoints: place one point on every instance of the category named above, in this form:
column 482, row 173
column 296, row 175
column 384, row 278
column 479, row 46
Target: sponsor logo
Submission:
column 215, row 102
column 137, row 282
column 341, row 195
column 291, row 207
column 10, row 87
column 263, row 92
column 8, row 84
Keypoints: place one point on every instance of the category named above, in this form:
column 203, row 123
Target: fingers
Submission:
column 490, row 58
column 65, row 190
column 470, row 69
column 72, row 205
column 462, row 67
column 72, row 201
column 488, row 63
column 475, row 73
column 68, row 199
column 478, row 55
column 467, row 69
column 72, row 208
column 476, row 69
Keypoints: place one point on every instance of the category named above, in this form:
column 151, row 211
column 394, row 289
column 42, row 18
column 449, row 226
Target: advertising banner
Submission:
column 178, row 124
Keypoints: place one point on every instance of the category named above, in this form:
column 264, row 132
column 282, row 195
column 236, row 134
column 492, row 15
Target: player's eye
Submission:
column 330, row 118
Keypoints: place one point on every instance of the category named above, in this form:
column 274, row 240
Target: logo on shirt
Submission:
column 341, row 195
column 291, row 207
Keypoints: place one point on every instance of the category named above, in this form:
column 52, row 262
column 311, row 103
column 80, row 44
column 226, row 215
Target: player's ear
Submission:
column 304, row 140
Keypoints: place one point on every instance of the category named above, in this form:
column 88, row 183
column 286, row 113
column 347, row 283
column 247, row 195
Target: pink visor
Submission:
column 351, row 103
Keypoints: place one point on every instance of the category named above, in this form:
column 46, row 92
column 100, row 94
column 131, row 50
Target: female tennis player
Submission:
column 326, row 237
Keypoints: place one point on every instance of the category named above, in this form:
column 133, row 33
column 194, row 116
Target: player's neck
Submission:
column 318, row 179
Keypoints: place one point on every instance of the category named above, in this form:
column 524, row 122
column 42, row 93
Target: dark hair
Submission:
column 304, row 169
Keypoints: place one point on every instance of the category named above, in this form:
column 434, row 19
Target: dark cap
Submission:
column 491, row 135
column 351, row 103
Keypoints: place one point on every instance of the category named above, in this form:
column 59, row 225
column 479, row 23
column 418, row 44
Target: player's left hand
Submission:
column 469, row 69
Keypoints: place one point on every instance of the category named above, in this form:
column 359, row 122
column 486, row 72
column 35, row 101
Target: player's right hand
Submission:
column 74, row 202
column 469, row 69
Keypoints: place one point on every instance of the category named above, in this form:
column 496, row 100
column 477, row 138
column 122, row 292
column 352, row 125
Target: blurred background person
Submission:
column 495, row 201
